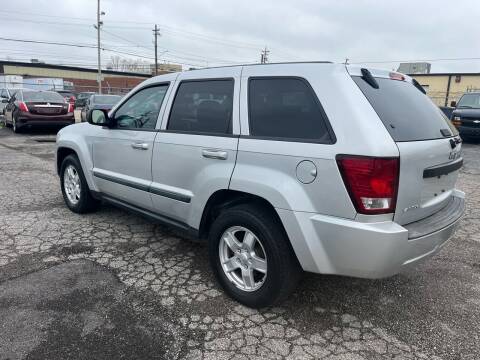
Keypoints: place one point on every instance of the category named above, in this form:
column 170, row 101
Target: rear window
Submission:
column 42, row 96
column 407, row 113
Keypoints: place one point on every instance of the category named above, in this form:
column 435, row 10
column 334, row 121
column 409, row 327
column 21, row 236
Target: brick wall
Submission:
column 110, row 84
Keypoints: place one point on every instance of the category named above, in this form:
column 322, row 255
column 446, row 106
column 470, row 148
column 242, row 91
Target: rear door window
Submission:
column 407, row 113
column 203, row 106
column 286, row 109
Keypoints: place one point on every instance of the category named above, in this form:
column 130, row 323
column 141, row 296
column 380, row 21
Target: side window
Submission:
column 141, row 110
column 285, row 109
column 203, row 106
column 3, row 94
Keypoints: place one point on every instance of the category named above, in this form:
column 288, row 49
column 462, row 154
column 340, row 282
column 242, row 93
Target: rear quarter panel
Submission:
column 268, row 167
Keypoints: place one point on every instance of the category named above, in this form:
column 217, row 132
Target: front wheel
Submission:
column 251, row 256
column 76, row 193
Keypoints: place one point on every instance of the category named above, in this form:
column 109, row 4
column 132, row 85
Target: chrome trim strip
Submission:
column 165, row 193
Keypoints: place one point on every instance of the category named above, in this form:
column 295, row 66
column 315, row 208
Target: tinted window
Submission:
column 203, row 106
column 407, row 113
column 285, row 108
column 42, row 96
column 141, row 110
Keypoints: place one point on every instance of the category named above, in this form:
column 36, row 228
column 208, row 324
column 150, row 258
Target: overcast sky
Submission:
column 217, row 32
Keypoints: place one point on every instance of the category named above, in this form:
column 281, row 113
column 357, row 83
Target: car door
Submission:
column 10, row 107
column 195, row 151
column 3, row 99
column 122, row 154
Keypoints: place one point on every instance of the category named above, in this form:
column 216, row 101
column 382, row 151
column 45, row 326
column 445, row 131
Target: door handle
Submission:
column 140, row 146
column 214, row 154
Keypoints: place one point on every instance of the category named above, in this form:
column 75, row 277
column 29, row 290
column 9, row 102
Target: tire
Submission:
column 16, row 129
column 80, row 200
column 282, row 268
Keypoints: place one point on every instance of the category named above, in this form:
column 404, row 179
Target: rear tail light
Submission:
column 22, row 106
column 70, row 108
column 371, row 182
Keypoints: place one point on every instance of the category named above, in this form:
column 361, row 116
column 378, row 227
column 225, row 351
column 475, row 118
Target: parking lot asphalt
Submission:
column 112, row 285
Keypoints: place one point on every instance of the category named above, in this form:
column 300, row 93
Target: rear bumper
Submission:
column 25, row 119
column 331, row 245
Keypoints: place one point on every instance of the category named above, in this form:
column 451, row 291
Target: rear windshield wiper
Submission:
column 418, row 86
column 369, row 79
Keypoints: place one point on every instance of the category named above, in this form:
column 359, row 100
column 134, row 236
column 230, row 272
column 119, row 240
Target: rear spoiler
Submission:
column 369, row 76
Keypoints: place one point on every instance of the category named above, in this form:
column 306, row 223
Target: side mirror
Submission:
column 453, row 104
column 99, row 117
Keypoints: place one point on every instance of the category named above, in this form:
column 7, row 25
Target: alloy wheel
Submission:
column 243, row 258
column 71, row 183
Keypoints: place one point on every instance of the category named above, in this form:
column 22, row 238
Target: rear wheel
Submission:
column 16, row 128
column 251, row 256
column 76, row 193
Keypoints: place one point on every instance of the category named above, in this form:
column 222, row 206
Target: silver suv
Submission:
column 281, row 168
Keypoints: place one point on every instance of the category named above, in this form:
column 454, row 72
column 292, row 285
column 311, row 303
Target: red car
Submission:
column 68, row 96
column 28, row 108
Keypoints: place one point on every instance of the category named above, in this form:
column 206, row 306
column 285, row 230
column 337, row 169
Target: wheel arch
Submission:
column 77, row 146
column 226, row 198
column 62, row 153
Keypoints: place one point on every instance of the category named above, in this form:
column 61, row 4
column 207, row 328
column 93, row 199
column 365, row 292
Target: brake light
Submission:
column 397, row 76
column 371, row 182
column 22, row 106
column 70, row 108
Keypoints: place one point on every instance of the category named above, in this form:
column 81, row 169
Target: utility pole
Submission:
column 264, row 56
column 99, row 24
column 156, row 34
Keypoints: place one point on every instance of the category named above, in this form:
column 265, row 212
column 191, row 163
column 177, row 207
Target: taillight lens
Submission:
column 22, row 106
column 371, row 182
column 70, row 108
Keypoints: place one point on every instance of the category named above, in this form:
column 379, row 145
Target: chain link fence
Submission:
column 74, row 88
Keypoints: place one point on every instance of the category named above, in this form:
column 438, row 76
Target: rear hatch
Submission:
column 428, row 144
column 45, row 103
column 46, row 108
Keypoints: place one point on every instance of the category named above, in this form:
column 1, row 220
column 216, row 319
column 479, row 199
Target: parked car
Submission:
column 82, row 99
column 280, row 168
column 105, row 102
column 37, row 108
column 466, row 115
column 69, row 96
column 5, row 95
